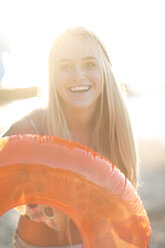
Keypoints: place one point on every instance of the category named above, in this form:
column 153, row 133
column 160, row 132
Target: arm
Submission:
column 20, row 127
column 30, row 124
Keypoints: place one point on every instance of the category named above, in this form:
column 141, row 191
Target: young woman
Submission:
column 85, row 105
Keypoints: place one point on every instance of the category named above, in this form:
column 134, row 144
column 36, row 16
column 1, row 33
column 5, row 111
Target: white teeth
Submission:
column 79, row 88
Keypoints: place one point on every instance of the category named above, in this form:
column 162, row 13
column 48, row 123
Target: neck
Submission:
column 79, row 124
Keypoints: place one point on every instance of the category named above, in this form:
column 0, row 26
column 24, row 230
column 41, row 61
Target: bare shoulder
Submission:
column 28, row 124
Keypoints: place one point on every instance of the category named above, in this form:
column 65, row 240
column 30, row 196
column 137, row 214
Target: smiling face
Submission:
column 77, row 74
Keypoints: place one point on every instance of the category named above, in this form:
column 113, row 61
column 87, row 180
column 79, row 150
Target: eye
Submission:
column 90, row 65
column 64, row 67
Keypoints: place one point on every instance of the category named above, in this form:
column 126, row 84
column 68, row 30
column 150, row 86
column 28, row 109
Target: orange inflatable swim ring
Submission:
column 81, row 183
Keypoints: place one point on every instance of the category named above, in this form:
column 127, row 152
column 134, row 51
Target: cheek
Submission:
column 59, row 81
column 62, row 78
column 96, row 74
column 97, row 79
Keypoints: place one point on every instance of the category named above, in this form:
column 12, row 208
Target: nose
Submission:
column 78, row 72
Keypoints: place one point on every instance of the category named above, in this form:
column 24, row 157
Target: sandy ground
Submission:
column 151, row 190
column 152, row 187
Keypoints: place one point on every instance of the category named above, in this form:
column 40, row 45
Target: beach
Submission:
column 151, row 154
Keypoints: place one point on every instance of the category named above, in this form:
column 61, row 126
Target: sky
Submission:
column 132, row 32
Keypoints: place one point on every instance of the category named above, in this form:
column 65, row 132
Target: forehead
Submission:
column 74, row 48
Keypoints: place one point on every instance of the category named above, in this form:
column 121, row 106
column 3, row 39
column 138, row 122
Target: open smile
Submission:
column 80, row 89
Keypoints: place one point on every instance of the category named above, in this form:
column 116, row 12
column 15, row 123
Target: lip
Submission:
column 78, row 93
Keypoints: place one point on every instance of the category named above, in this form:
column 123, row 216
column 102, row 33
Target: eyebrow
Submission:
column 84, row 58
column 88, row 58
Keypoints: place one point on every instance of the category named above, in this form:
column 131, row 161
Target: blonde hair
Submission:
column 112, row 132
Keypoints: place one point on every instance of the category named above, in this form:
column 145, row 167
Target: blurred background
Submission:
column 133, row 34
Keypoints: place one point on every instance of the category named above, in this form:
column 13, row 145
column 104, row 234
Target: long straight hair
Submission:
column 112, row 133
